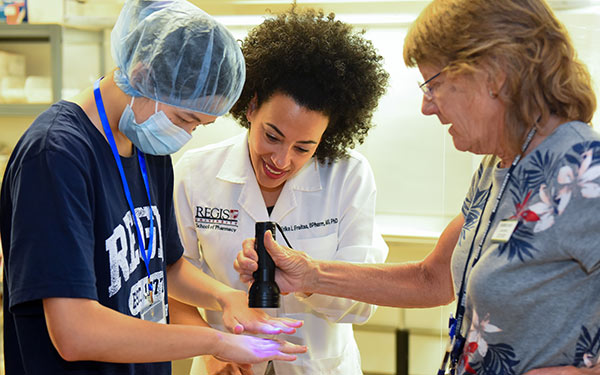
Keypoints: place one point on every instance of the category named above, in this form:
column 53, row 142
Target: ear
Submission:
column 252, row 107
column 496, row 80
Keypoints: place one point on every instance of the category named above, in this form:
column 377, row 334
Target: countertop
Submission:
column 411, row 229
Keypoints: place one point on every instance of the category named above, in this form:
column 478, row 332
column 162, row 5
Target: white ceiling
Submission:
column 103, row 13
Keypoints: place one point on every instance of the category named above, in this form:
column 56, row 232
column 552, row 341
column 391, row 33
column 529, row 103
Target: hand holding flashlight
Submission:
column 264, row 292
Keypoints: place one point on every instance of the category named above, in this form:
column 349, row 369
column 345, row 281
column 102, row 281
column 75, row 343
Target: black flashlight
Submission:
column 264, row 291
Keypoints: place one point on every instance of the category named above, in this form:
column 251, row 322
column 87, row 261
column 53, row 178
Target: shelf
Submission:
column 56, row 51
column 22, row 109
column 26, row 34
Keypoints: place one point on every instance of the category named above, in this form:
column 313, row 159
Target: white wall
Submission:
column 417, row 169
column 584, row 28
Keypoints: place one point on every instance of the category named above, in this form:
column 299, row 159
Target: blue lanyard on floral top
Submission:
column 111, row 140
column 457, row 341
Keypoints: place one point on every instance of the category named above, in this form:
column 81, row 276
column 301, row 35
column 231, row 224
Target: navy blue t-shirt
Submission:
column 67, row 231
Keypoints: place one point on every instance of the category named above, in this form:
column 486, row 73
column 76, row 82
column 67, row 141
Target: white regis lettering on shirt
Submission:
column 138, row 292
column 123, row 253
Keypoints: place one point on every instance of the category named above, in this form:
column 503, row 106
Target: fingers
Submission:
column 246, row 261
column 292, row 322
column 255, row 323
column 250, row 349
column 248, row 249
column 280, row 328
column 246, row 369
column 285, row 325
column 215, row 366
column 238, row 328
column 272, row 326
column 279, row 350
column 246, row 279
column 290, row 348
column 272, row 246
column 232, row 324
column 243, row 268
column 267, row 327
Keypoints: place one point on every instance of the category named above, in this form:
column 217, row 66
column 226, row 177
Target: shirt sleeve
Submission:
column 576, row 201
column 173, row 242
column 473, row 191
column 52, row 234
column 359, row 241
column 185, row 215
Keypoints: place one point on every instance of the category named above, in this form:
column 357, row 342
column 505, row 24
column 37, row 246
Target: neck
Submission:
column 541, row 133
column 115, row 101
column 270, row 196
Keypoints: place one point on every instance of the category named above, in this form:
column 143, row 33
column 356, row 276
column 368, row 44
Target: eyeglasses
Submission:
column 428, row 91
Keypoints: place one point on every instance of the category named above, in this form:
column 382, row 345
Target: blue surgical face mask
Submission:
column 156, row 136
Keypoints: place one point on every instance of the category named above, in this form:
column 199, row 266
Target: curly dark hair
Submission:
column 324, row 66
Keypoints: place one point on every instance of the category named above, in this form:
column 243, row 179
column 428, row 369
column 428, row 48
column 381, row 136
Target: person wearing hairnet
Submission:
column 86, row 213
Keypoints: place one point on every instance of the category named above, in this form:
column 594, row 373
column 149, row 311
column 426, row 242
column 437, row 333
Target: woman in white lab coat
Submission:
column 312, row 85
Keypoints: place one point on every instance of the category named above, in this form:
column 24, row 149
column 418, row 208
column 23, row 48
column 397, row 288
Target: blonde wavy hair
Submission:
column 522, row 38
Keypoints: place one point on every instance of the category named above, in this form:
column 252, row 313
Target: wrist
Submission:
column 311, row 280
column 229, row 297
column 219, row 346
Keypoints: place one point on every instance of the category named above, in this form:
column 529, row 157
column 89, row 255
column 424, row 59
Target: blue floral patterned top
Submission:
column 534, row 301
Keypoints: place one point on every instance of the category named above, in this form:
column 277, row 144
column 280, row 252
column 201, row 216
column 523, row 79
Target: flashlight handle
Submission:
column 266, row 266
column 264, row 292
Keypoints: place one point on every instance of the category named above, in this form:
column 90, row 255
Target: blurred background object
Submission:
column 13, row 11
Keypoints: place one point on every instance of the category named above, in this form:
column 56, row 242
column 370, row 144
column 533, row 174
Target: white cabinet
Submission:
column 399, row 341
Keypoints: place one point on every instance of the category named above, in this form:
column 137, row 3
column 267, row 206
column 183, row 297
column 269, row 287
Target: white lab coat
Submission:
column 328, row 211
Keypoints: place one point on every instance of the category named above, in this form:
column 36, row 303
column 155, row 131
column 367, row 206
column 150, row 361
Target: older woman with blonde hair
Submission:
column 521, row 258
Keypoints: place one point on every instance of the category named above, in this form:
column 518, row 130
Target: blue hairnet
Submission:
column 175, row 53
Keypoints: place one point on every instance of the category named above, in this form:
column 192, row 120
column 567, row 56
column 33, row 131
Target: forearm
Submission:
column 398, row 285
column 426, row 283
column 78, row 330
column 190, row 285
column 182, row 313
column 347, row 310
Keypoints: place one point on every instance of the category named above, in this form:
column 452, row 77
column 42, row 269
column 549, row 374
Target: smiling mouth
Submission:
column 273, row 172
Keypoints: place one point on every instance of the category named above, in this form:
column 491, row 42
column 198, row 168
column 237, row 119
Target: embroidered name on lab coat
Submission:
column 309, row 225
column 216, row 218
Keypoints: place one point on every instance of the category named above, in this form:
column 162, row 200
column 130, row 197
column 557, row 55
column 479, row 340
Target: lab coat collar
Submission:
column 237, row 169
column 232, row 169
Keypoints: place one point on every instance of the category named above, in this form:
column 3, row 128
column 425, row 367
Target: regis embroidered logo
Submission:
column 216, row 218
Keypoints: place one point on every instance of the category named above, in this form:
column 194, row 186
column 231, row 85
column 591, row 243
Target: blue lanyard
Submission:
column 456, row 323
column 111, row 140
